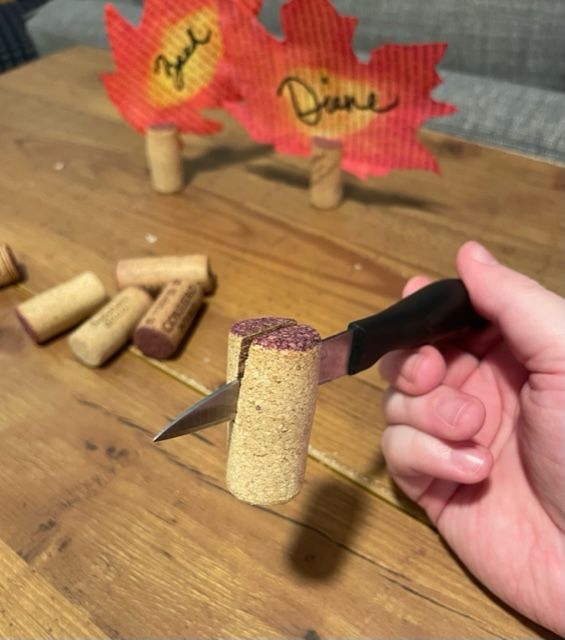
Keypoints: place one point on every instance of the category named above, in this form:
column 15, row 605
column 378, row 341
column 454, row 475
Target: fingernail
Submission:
column 459, row 412
column 480, row 254
column 466, row 460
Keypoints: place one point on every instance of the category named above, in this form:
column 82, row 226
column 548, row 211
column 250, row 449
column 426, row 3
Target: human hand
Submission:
column 476, row 436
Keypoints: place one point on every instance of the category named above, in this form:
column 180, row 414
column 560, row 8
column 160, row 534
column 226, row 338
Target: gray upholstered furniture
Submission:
column 505, row 67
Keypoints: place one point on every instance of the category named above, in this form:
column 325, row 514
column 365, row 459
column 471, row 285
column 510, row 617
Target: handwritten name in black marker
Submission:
column 174, row 69
column 309, row 107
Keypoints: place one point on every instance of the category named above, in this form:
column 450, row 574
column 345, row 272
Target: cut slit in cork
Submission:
column 269, row 439
column 242, row 335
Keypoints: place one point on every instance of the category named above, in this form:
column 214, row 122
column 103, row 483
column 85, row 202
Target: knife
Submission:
column 440, row 310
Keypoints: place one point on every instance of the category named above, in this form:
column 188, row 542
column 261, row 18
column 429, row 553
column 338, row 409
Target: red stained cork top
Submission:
column 257, row 325
column 300, row 337
column 153, row 343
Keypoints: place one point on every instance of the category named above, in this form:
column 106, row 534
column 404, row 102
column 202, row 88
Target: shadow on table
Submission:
column 357, row 192
column 222, row 156
column 331, row 518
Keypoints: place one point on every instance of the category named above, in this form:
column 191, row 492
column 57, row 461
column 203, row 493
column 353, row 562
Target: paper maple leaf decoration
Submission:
column 173, row 65
column 312, row 85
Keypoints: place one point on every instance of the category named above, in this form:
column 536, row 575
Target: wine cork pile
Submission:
column 276, row 360
column 157, row 302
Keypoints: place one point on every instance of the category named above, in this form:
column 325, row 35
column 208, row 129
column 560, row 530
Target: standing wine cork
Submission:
column 326, row 187
column 9, row 270
column 62, row 307
column 271, row 430
column 241, row 336
column 153, row 273
column 164, row 158
column 110, row 329
column 165, row 324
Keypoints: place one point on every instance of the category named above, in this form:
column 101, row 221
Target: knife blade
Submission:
column 220, row 405
column 438, row 311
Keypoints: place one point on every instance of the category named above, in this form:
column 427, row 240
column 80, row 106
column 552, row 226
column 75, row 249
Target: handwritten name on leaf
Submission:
column 174, row 69
column 310, row 84
column 309, row 106
column 186, row 58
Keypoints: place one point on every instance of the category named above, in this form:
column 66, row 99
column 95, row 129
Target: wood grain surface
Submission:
column 137, row 540
column 31, row 607
column 147, row 540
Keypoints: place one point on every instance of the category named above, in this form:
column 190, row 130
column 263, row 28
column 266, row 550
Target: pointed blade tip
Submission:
column 201, row 414
column 162, row 435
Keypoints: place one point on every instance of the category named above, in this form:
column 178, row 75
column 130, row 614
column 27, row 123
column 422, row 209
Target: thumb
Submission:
column 530, row 317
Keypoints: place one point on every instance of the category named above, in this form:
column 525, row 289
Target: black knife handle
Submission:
column 439, row 310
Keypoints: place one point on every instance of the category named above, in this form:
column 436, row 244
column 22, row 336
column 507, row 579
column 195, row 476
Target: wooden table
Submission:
column 103, row 533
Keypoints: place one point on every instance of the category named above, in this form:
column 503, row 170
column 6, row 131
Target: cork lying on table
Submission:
column 164, row 158
column 154, row 273
column 268, row 446
column 109, row 330
column 62, row 307
column 165, row 324
column 9, row 270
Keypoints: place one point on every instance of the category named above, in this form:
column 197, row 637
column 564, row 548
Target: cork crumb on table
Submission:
column 100, row 530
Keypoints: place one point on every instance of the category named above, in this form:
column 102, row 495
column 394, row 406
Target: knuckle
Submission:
column 391, row 399
column 386, row 444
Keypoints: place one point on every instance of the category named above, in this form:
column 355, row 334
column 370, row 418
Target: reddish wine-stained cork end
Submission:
column 254, row 326
column 153, row 343
column 297, row 338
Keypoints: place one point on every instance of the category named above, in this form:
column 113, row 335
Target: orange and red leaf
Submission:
column 172, row 66
column 312, row 85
